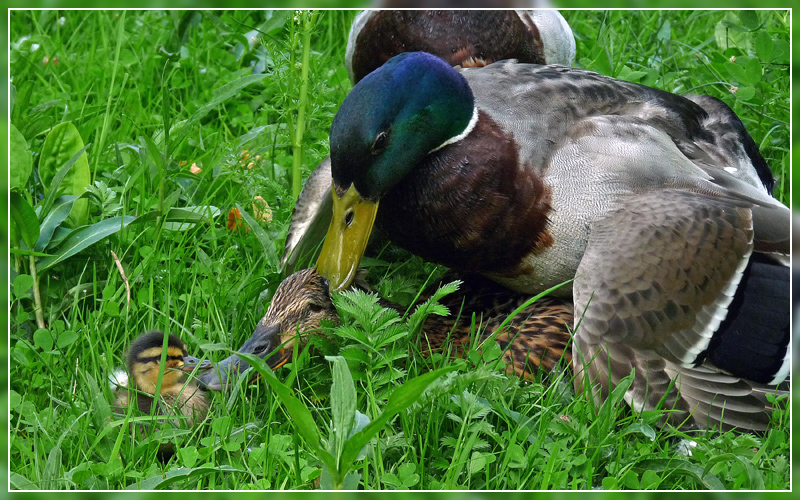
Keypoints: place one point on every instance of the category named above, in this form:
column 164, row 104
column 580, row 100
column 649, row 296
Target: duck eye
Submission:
column 380, row 142
column 348, row 218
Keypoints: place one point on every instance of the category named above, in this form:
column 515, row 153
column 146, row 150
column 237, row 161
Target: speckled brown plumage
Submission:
column 536, row 337
column 299, row 305
column 449, row 211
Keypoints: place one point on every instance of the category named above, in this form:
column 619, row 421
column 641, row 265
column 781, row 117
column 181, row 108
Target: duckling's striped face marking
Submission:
column 144, row 361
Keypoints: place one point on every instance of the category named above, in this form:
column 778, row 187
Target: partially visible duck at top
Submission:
column 466, row 38
column 657, row 205
column 535, row 338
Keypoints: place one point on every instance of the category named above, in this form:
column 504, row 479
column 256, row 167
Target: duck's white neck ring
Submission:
column 470, row 126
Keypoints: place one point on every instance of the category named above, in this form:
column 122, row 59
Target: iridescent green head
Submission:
column 391, row 120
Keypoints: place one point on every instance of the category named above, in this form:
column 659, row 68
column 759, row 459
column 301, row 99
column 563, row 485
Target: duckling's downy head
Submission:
column 301, row 302
column 144, row 361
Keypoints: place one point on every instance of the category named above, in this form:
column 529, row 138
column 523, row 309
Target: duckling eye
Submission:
column 314, row 308
column 380, row 142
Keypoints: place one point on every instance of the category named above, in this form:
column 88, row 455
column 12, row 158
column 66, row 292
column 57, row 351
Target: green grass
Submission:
column 143, row 89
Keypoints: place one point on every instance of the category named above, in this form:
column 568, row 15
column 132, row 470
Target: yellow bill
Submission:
column 347, row 238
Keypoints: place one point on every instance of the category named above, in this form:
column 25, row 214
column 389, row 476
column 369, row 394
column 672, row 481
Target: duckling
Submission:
column 300, row 305
column 534, row 339
column 177, row 394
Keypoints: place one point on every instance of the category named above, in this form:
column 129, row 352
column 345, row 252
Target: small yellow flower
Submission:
column 261, row 209
column 733, row 89
column 733, row 58
column 195, row 169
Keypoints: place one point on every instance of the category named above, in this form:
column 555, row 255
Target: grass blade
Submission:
column 55, row 183
column 84, row 238
column 402, row 397
column 301, row 416
column 220, row 95
column 23, row 216
column 263, row 238
column 343, row 403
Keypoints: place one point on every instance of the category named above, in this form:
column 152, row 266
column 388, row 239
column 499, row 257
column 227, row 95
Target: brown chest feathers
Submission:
column 465, row 195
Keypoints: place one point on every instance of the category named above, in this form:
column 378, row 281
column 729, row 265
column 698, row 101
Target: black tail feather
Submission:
column 753, row 339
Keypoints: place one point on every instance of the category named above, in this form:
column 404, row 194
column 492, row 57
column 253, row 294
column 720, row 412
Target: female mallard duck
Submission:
column 299, row 306
column 657, row 205
column 467, row 38
column 177, row 395
column 463, row 38
column 536, row 337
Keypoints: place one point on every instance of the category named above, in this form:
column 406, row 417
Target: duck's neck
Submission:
column 466, row 194
column 464, row 133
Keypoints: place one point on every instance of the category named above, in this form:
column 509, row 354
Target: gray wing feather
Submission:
column 310, row 218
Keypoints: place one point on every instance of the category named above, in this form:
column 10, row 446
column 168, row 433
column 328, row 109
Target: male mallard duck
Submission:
column 466, row 38
column 657, row 205
column 535, row 338
column 177, row 394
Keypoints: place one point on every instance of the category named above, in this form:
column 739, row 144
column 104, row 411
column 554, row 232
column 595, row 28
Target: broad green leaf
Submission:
column 752, row 67
column 19, row 482
column 23, row 218
column 263, row 238
column 161, row 481
column 745, row 93
column 83, row 238
column 50, row 195
column 275, row 19
column 66, row 338
column 754, row 476
column 642, row 428
column 749, row 19
column 60, row 145
column 61, row 209
column 681, row 468
column 343, row 402
column 402, row 397
column 43, row 339
column 665, row 32
column 737, row 72
column 217, row 97
column 188, row 455
column 631, row 480
column 21, row 161
column 764, row 46
column 22, row 284
column 189, row 215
